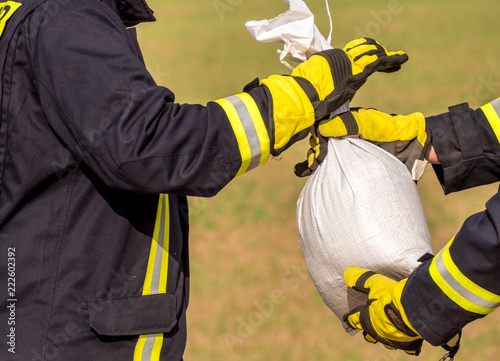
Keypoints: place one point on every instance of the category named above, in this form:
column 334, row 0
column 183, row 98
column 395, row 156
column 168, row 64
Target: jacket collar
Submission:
column 132, row 12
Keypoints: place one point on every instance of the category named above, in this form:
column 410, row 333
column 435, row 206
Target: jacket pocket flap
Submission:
column 132, row 316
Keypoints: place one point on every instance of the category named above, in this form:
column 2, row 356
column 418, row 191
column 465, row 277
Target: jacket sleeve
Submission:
column 467, row 145
column 461, row 283
column 103, row 104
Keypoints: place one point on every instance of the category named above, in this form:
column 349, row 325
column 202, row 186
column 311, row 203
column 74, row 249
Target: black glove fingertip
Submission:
column 302, row 170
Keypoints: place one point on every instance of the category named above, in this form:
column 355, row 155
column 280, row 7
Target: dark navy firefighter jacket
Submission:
column 93, row 252
column 462, row 282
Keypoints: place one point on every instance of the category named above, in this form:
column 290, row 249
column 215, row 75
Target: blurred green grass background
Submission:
column 252, row 298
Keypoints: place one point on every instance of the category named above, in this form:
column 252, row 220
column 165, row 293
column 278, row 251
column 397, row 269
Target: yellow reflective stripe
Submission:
column 146, row 289
column 260, row 127
column 492, row 111
column 163, row 247
column 7, row 9
column 148, row 347
column 486, row 295
column 139, row 347
column 458, row 287
column 249, row 129
column 156, row 274
column 243, row 146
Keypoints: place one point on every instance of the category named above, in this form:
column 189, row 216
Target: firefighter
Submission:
column 96, row 161
column 460, row 283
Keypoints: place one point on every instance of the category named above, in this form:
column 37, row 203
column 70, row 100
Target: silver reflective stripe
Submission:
column 158, row 262
column 147, row 351
column 250, row 131
column 148, row 347
column 461, row 290
column 496, row 105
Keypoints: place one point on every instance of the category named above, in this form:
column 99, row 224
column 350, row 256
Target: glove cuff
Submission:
column 397, row 293
column 291, row 110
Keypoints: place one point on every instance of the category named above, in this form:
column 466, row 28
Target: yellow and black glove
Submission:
column 382, row 318
column 404, row 136
column 320, row 85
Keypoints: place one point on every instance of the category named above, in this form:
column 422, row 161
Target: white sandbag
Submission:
column 360, row 207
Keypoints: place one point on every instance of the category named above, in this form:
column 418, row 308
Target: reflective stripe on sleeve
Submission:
column 148, row 347
column 461, row 290
column 492, row 112
column 249, row 129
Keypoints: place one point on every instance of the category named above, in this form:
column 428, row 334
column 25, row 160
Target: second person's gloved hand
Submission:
column 404, row 136
column 383, row 318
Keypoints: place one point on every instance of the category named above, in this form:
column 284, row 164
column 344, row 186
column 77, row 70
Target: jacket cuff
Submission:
column 435, row 317
column 459, row 138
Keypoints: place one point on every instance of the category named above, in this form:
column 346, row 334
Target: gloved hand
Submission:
column 404, row 136
column 383, row 318
column 349, row 70
column 322, row 84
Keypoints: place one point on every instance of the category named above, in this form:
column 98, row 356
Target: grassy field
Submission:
column 252, row 298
